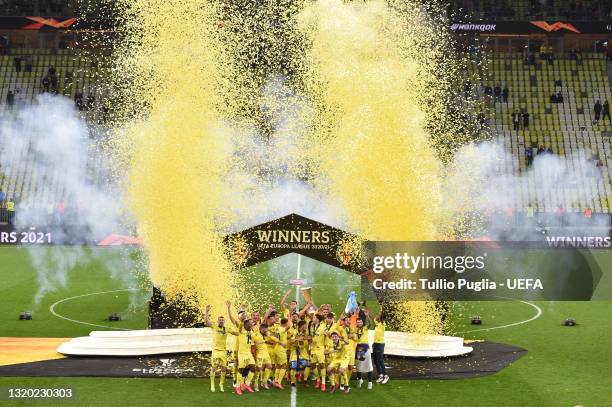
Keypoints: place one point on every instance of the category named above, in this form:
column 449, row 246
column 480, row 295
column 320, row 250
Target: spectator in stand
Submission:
column 10, row 99
column 553, row 98
column 525, row 120
column 530, row 211
column 516, row 120
column 28, row 63
column 597, row 109
column 561, row 214
column 588, row 213
column 600, row 167
column 497, row 92
column 560, row 97
column 549, row 54
column 606, row 112
column 10, row 208
column 505, row 93
column 54, row 85
column 529, row 156
column 78, row 100
column 540, row 150
column 91, row 101
column 46, row 83
column 574, row 54
column 549, row 150
column 2, row 196
column 467, row 87
column 543, row 51
column 17, row 63
column 488, row 91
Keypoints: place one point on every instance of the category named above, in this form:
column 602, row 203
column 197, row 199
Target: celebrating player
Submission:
column 218, row 357
column 246, row 362
column 338, row 362
column 264, row 363
column 317, row 352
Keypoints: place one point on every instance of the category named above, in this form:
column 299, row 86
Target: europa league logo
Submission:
column 345, row 253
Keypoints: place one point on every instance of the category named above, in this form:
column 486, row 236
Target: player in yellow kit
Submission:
column 279, row 354
column 218, row 359
column 329, row 326
column 350, row 338
column 287, row 312
column 246, row 361
column 317, row 352
column 264, row 364
column 299, row 359
column 338, row 364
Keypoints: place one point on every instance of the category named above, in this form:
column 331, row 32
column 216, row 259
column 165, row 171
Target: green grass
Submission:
column 564, row 366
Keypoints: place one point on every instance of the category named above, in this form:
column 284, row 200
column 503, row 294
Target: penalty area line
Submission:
column 52, row 308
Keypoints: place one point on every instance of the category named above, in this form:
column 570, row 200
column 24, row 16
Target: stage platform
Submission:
column 486, row 358
column 186, row 340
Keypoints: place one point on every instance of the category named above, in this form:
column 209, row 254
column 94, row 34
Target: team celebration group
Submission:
column 308, row 346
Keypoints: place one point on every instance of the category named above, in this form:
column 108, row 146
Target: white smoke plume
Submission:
column 267, row 181
column 50, row 146
column 484, row 179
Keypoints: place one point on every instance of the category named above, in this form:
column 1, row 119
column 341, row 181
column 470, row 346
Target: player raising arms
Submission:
column 218, row 359
column 287, row 312
column 246, row 362
column 348, row 333
column 338, row 362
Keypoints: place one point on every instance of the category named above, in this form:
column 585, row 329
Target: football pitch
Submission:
column 564, row 366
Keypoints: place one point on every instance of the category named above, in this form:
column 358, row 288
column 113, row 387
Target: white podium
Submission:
column 184, row 340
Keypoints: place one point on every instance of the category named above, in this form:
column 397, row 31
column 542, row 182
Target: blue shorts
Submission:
column 299, row 364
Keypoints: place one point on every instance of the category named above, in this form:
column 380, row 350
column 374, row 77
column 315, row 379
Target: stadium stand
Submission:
column 35, row 7
column 77, row 75
column 74, row 74
column 566, row 129
column 577, row 10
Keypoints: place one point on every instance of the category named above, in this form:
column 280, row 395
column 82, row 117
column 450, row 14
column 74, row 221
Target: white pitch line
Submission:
column 293, row 396
column 536, row 316
column 52, row 308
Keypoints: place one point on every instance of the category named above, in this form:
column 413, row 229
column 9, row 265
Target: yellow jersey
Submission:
column 352, row 341
column 244, row 341
column 343, row 331
column 338, row 351
column 291, row 335
column 318, row 338
column 362, row 335
column 327, row 330
column 261, row 348
column 379, row 332
column 273, row 332
column 219, row 337
column 303, row 346
column 283, row 335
